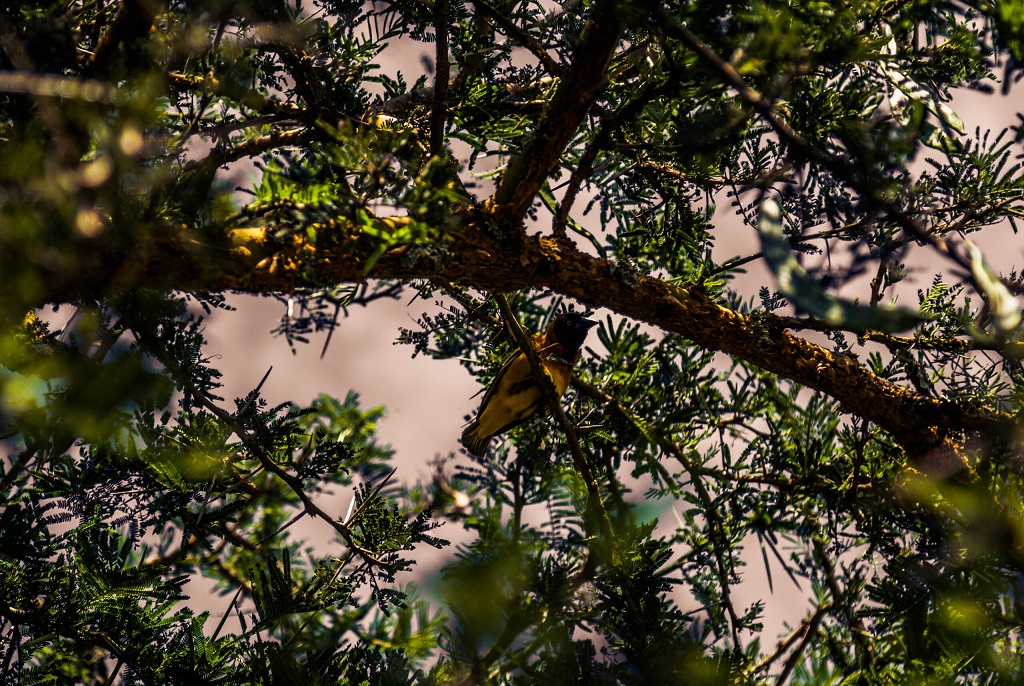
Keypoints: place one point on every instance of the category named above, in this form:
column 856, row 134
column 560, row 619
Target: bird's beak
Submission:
column 588, row 324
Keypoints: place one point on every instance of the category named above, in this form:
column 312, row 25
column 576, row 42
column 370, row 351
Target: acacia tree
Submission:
column 547, row 154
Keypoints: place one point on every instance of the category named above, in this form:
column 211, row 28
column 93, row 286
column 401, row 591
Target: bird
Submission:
column 515, row 396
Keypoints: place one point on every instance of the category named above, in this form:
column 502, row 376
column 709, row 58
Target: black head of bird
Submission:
column 515, row 396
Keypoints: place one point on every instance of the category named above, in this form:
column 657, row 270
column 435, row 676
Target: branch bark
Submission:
column 474, row 258
column 583, row 81
column 439, row 108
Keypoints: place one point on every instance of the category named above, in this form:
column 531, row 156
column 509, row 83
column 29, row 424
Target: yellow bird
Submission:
column 515, row 396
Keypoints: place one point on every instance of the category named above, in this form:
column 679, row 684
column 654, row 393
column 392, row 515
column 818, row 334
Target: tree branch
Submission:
column 472, row 257
column 806, row 629
column 599, row 143
column 439, row 107
column 861, row 637
column 547, row 387
column 843, row 167
column 585, row 78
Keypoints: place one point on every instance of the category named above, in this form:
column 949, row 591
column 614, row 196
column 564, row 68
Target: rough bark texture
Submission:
column 585, row 78
column 474, row 258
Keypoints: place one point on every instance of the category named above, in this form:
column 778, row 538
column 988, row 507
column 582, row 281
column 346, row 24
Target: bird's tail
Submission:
column 474, row 442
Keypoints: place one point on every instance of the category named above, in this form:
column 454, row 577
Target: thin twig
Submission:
column 265, row 460
column 523, row 38
column 254, row 146
column 292, row 482
column 599, row 143
column 227, row 612
column 856, row 627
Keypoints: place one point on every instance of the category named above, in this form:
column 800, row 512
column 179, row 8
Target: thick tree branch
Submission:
column 474, row 258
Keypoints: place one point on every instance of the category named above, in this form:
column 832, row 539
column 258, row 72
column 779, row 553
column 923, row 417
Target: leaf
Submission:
column 1002, row 305
column 913, row 90
column 810, row 297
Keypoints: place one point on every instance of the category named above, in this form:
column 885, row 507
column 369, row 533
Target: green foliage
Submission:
column 141, row 139
column 106, row 515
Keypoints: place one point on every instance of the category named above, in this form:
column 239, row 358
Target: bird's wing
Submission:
column 496, row 381
column 543, row 352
